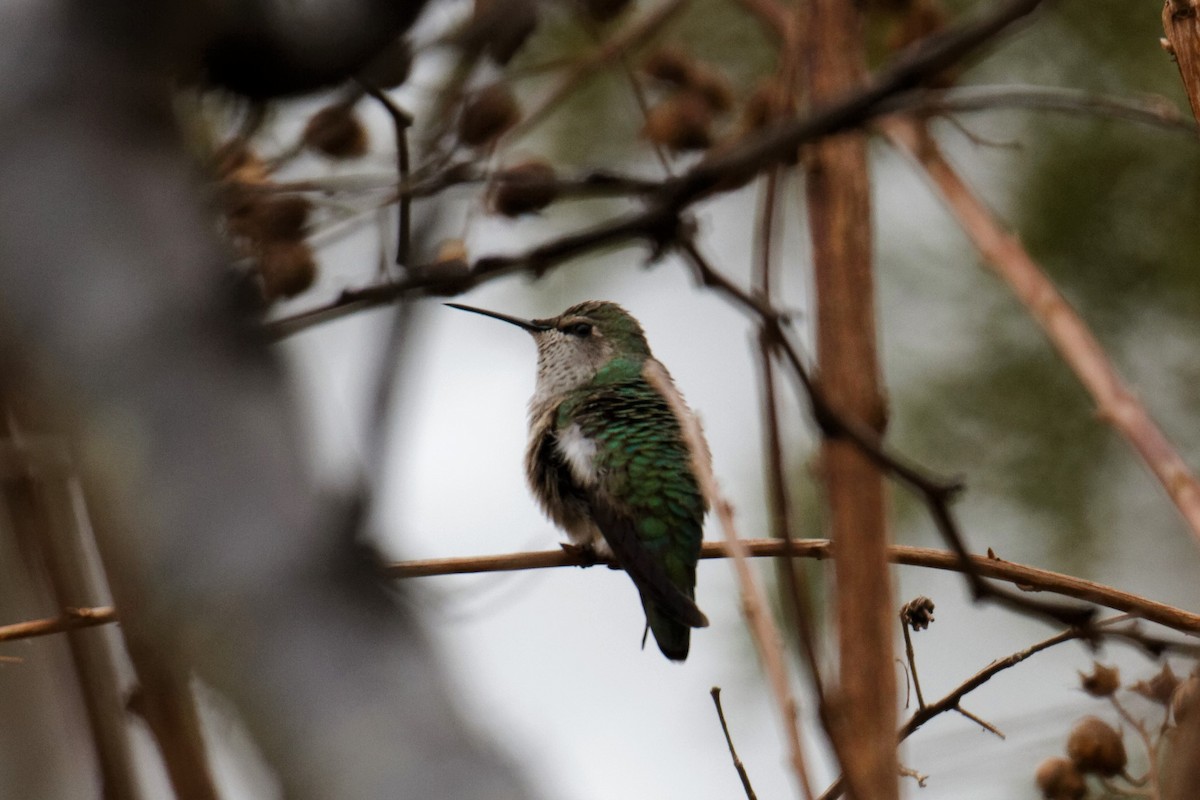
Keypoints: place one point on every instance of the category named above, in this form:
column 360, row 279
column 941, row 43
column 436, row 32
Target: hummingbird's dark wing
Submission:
column 643, row 494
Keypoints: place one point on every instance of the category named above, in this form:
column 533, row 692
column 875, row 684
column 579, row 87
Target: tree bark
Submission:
column 839, row 210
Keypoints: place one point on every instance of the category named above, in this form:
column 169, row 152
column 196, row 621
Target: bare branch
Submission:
column 1069, row 334
column 1032, row 578
column 72, row 619
column 761, row 623
column 659, row 220
column 737, row 762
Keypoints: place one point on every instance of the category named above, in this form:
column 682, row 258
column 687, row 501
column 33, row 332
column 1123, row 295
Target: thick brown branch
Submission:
column 838, row 202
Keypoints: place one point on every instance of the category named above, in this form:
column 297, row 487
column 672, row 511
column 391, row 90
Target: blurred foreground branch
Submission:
column 122, row 331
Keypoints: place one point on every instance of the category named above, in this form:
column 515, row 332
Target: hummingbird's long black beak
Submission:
column 529, row 325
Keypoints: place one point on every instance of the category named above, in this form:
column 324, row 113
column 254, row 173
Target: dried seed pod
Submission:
column 487, row 114
column 1160, row 688
column 681, row 122
column 287, row 268
column 1187, row 695
column 524, row 188
column 336, row 131
column 711, row 84
column 1103, row 682
column 917, row 613
column 452, row 256
column 670, row 65
column 237, row 162
column 284, row 218
column 1096, row 746
column 604, row 10
column 1058, row 779
column 505, row 26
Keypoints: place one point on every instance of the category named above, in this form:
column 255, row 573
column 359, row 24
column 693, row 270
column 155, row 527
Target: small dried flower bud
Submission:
column 524, row 188
column 681, row 122
column 283, row 218
column 487, row 114
column 237, row 162
column 1160, row 688
column 287, row 269
column 1187, row 695
column 917, row 613
column 242, row 214
column 1103, row 682
column 452, row 255
column 711, row 84
column 670, row 65
column 337, row 132
column 604, row 10
column 501, row 27
column 1058, row 779
column 1096, row 746
column 450, row 269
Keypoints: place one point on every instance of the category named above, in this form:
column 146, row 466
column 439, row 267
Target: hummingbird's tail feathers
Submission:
column 646, row 571
column 674, row 638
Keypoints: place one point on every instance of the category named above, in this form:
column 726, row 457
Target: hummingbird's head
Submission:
column 581, row 344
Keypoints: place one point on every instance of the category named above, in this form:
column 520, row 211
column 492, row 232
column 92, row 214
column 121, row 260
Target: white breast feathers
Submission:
column 580, row 454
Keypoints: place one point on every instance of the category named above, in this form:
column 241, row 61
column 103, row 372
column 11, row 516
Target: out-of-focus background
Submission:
column 547, row 665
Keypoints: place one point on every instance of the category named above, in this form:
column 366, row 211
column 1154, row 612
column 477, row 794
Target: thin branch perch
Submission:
column 1028, row 577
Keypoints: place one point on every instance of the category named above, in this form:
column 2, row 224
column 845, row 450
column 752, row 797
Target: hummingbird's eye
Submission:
column 580, row 329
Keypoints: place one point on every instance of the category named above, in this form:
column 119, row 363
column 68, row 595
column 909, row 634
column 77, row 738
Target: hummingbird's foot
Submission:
column 585, row 554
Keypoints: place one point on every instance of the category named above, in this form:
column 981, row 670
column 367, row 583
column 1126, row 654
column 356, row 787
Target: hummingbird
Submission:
column 608, row 461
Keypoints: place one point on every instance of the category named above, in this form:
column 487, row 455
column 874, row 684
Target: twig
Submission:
column 762, row 627
column 951, row 701
column 983, row 723
column 912, row 663
column 737, row 762
column 780, row 516
column 1033, row 578
column 1154, row 110
column 1147, row 742
column 908, row 772
column 72, row 619
column 401, row 122
column 1115, row 402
